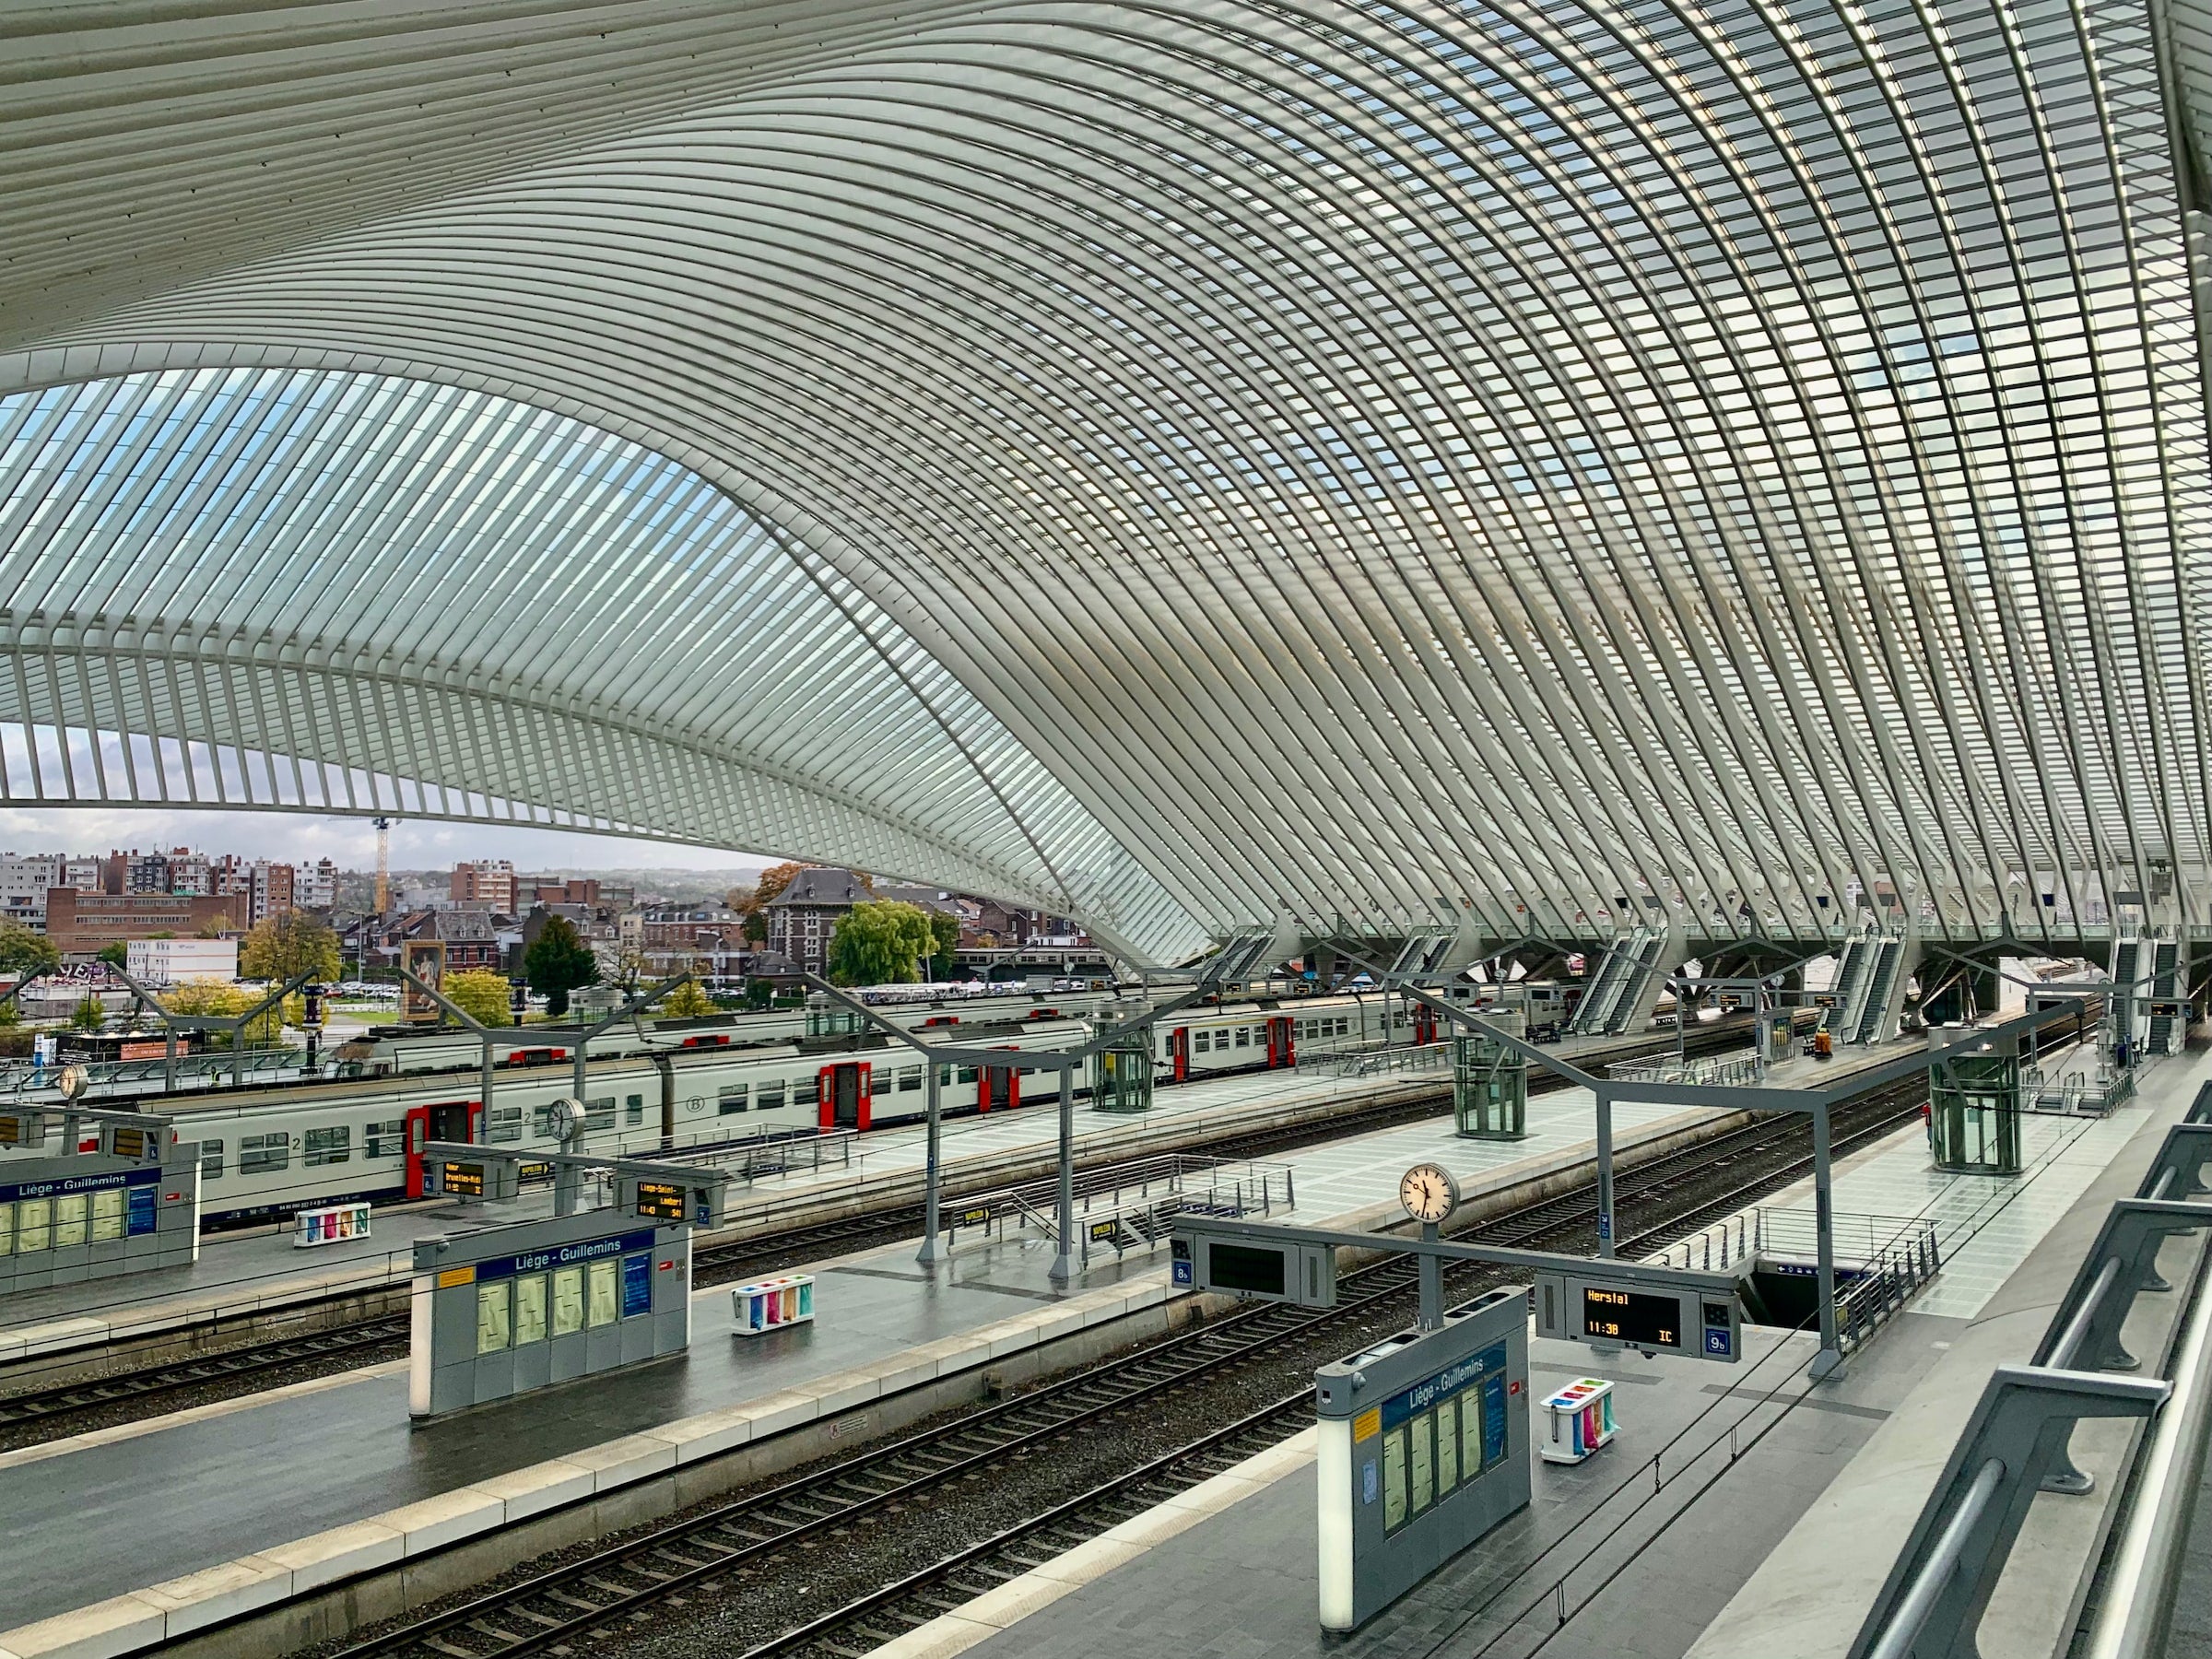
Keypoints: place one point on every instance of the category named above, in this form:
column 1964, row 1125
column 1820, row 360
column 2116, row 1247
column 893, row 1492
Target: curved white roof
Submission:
column 1179, row 464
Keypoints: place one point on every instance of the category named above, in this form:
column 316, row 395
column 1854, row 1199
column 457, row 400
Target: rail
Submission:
column 1125, row 1207
column 2016, row 1444
column 765, row 1153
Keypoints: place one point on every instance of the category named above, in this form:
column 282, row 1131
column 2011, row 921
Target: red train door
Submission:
column 845, row 1100
column 997, row 1086
column 1180, row 1053
column 1282, row 1044
column 448, row 1120
column 1424, row 1024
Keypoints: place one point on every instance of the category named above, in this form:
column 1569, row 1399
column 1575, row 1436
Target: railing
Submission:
column 1389, row 1062
column 209, row 1068
column 1728, row 1070
column 1893, row 1277
column 1862, row 1243
column 765, row 1153
column 2016, row 1443
column 1122, row 1208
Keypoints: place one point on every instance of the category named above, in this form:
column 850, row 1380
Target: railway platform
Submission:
column 269, row 1498
column 1743, row 1511
column 239, row 1276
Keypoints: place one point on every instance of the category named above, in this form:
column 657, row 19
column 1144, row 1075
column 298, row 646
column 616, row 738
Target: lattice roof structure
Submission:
column 1175, row 466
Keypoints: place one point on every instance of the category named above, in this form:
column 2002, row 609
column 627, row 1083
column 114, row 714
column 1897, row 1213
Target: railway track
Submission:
column 32, row 1416
column 766, row 1538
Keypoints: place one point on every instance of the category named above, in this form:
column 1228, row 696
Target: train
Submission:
column 694, row 1084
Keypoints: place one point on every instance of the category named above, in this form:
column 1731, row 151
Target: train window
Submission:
column 1344, row 1028
column 879, row 1081
column 730, row 1101
column 1243, row 1036
column 599, row 1114
column 633, row 1111
column 770, row 1098
column 542, row 1123
column 967, row 1073
column 910, row 1078
column 506, row 1125
column 805, row 1091
column 333, row 1145
column 944, row 1077
column 260, row 1153
column 387, row 1139
column 211, row 1160
column 1206, row 1043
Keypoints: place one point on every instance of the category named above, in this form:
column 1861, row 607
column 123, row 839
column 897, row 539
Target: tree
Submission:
column 117, row 954
column 880, row 942
column 945, row 932
column 760, row 993
column 89, row 1015
column 288, row 944
column 755, row 929
column 24, row 952
column 219, row 999
column 558, row 961
column 484, row 994
column 688, row 1001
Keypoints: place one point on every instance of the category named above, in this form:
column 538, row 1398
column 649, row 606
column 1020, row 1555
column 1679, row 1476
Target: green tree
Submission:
column 23, row 951
column 287, row 944
column 117, row 954
column 558, row 962
column 10, row 1015
column 688, row 1001
column 880, row 942
column 484, row 993
column 760, row 993
column 945, row 935
column 89, row 1015
column 756, row 928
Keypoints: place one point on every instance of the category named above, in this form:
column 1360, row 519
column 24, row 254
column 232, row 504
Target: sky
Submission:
column 351, row 842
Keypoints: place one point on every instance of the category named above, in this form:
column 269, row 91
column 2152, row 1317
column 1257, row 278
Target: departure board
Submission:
column 663, row 1200
column 1635, row 1317
column 130, row 1143
column 464, row 1179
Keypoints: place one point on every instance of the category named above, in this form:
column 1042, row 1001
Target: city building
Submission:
column 485, row 884
column 315, row 886
column 570, row 890
column 82, row 924
column 166, row 962
column 684, row 939
column 23, row 881
column 802, row 917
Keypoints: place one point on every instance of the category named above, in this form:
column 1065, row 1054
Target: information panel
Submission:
column 1702, row 1318
column 501, row 1311
column 1423, row 1448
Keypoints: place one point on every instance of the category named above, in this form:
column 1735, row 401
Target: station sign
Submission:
column 1703, row 1322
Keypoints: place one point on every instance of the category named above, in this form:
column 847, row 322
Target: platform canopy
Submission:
column 1175, row 465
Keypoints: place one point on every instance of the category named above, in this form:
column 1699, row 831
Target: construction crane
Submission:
column 383, row 865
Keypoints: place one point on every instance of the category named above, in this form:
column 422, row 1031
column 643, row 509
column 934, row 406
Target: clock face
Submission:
column 1428, row 1193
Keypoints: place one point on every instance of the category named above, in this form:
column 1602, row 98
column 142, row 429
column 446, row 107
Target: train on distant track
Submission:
column 689, row 1085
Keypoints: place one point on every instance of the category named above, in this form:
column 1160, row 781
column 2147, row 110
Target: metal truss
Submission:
column 1193, row 464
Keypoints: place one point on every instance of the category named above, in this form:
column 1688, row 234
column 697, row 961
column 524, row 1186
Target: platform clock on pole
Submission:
column 1429, row 1195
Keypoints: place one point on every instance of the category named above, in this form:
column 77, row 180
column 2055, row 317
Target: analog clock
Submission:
column 1428, row 1193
